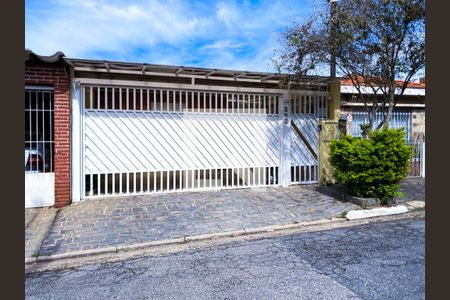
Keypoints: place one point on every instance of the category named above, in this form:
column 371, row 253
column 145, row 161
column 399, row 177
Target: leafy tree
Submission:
column 372, row 42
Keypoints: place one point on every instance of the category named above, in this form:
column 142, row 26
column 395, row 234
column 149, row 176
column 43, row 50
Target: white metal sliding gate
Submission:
column 147, row 140
column 139, row 140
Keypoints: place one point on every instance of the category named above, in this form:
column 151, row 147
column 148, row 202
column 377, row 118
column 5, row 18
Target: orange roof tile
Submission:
column 346, row 81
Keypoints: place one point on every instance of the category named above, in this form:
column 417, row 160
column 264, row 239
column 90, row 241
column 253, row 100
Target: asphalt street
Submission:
column 375, row 261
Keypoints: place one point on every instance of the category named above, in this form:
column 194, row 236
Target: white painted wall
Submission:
column 39, row 189
column 76, row 108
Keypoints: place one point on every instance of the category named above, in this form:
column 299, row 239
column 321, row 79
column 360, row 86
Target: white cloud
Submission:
column 228, row 14
column 225, row 34
column 80, row 27
column 226, row 58
column 222, row 44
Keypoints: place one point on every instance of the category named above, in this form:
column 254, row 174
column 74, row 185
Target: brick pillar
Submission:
column 57, row 76
column 62, row 140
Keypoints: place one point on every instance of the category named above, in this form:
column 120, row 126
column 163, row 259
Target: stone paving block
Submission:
column 114, row 221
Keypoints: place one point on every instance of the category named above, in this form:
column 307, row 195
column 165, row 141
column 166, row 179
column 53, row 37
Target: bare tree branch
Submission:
column 375, row 42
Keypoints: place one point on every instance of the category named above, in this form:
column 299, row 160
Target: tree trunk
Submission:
column 366, row 129
column 388, row 115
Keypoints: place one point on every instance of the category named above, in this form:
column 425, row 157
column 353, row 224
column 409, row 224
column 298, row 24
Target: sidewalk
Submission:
column 95, row 224
column 38, row 222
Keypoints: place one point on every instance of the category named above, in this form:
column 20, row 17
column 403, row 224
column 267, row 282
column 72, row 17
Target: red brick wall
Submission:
column 57, row 76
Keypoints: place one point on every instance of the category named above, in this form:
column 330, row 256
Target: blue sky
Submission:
column 217, row 34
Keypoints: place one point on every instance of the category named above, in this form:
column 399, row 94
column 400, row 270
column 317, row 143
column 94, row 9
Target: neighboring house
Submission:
column 101, row 128
column 47, row 127
column 409, row 112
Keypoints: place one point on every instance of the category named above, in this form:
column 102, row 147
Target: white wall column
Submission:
column 75, row 133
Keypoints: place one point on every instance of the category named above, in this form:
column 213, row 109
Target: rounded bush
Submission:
column 373, row 167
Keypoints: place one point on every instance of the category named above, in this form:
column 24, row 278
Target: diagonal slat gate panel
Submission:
column 129, row 142
column 308, row 125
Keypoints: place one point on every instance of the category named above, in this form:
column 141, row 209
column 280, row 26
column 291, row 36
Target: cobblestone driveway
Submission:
column 413, row 189
column 126, row 220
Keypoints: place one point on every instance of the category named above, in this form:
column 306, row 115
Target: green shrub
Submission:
column 371, row 168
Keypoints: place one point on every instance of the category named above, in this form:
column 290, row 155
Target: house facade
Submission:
column 409, row 112
column 104, row 129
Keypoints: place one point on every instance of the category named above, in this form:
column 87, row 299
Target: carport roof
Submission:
column 129, row 67
column 107, row 66
column 177, row 71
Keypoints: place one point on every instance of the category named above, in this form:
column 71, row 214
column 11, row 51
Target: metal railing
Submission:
column 112, row 98
column 417, row 161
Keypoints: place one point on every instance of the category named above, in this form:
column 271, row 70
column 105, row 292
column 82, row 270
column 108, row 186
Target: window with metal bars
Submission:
column 401, row 118
column 39, row 142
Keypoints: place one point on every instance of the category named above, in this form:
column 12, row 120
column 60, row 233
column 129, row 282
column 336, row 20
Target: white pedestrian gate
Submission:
column 306, row 110
column 146, row 140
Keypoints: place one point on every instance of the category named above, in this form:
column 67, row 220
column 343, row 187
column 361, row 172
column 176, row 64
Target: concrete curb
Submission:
column 181, row 240
column 186, row 239
column 77, row 254
column 376, row 212
column 415, row 205
column 30, row 260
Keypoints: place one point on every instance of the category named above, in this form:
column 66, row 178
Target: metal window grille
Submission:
column 39, row 142
column 401, row 118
